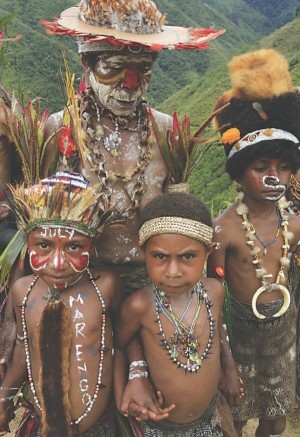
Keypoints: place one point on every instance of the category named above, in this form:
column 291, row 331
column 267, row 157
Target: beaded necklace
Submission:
column 94, row 149
column 260, row 271
column 113, row 141
column 270, row 243
column 103, row 349
column 184, row 342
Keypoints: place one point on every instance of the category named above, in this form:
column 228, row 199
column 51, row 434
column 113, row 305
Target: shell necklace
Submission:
column 260, row 271
column 184, row 342
column 102, row 350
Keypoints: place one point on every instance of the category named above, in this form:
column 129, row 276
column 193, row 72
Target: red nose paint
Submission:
column 131, row 79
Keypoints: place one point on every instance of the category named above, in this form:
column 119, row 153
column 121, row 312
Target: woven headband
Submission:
column 262, row 135
column 176, row 225
column 84, row 46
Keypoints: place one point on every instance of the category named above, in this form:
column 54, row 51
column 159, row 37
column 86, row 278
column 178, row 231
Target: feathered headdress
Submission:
column 118, row 23
column 64, row 199
column 262, row 104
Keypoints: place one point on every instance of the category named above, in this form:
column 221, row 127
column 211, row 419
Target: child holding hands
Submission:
column 64, row 312
column 178, row 317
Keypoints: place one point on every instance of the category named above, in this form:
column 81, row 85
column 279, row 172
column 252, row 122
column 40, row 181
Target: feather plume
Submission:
column 57, row 202
column 180, row 148
column 71, row 112
column 26, row 128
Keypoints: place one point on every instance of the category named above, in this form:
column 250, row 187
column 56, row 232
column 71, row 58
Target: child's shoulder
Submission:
column 294, row 227
column 214, row 288
column 108, row 282
column 213, row 284
column 105, row 277
column 140, row 300
column 20, row 286
column 227, row 215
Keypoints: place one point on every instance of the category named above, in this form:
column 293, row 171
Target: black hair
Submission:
column 285, row 150
column 176, row 205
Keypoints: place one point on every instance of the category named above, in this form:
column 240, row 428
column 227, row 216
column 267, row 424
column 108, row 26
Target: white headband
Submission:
column 262, row 135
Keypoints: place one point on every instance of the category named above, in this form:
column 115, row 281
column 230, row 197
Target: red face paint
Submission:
column 38, row 262
column 58, row 256
column 131, row 79
column 79, row 263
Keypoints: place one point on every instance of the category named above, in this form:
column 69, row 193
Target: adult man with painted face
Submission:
column 120, row 151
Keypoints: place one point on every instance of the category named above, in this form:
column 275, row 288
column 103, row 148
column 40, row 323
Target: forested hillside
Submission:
column 35, row 61
column 188, row 82
column 197, row 99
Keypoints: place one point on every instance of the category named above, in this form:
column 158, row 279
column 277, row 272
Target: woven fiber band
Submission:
column 262, row 135
column 104, row 46
column 176, row 225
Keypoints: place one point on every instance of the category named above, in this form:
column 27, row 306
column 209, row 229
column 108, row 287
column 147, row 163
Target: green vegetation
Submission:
column 36, row 60
column 188, row 82
column 209, row 180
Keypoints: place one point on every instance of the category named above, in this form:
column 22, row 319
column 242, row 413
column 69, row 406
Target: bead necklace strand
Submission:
column 103, row 349
column 270, row 243
column 188, row 341
column 113, row 141
column 260, row 271
column 96, row 158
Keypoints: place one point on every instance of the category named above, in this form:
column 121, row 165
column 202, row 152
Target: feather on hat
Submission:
column 121, row 22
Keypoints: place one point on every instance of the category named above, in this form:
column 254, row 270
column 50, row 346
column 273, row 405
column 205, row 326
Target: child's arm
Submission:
column 135, row 397
column 216, row 260
column 7, row 335
column 230, row 383
column 13, row 381
column 15, row 375
column 139, row 398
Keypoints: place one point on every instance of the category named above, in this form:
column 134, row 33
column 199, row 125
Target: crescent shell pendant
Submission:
column 284, row 307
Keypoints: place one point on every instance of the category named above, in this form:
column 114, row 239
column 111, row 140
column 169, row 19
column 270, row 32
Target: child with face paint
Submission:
column 64, row 311
column 260, row 131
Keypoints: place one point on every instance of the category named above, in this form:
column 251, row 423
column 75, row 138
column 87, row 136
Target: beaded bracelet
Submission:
column 138, row 375
column 137, row 364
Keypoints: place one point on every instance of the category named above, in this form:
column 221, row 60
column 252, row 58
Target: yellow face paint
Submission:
column 102, row 79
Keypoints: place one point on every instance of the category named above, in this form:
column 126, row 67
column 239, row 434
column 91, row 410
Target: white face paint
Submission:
column 218, row 246
column 218, row 229
column 119, row 81
column 76, row 304
column 273, row 183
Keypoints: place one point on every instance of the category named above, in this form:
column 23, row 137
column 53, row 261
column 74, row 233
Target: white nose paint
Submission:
column 273, row 183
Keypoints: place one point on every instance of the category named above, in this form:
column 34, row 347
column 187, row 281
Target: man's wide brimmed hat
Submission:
column 124, row 22
column 262, row 104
